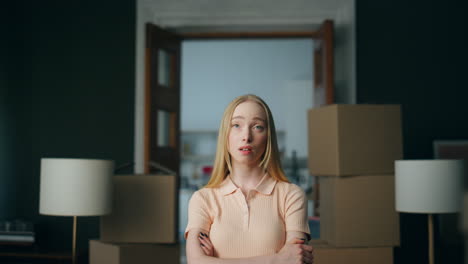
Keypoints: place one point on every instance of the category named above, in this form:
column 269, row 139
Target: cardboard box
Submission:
column 121, row 253
column 144, row 211
column 326, row 254
column 354, row 139
column 359, row 211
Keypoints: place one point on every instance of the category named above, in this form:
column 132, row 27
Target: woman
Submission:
column 248, row 212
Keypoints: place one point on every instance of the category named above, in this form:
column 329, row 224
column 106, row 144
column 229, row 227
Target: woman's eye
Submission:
column 258, row 127
column 235, row 125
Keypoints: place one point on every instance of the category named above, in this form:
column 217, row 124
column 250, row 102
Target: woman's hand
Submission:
column 205, row 244
column 296, row 252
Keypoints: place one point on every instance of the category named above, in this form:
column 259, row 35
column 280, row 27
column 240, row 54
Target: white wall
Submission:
column 298, row 96
column 215, row 72
column 279, row 71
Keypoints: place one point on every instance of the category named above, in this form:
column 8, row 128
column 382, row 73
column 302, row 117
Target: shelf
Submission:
column 195, row 158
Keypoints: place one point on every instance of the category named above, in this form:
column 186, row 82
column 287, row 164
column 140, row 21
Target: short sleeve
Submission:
column 296, row 210
column 198, row 213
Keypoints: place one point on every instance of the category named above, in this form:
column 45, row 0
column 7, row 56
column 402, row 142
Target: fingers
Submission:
column 306, row 257
column 205, row 244
column 308, row 260
column 308, row 248
column 201, row 234
column 306, row 253
column 205, row 250
column 206, row 239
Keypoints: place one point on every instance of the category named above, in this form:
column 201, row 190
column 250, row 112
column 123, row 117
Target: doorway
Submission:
column 162, row 91
column 216, row 71
column 200, row 156
column 213, row 72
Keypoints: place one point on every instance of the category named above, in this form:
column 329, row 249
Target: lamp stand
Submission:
column 74, row 241
column 430, row 225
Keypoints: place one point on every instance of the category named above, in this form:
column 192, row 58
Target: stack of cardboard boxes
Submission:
column 352, row 148
column 142, row 227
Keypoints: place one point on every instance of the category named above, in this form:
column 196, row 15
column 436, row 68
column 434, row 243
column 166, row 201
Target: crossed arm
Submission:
column 295, row 251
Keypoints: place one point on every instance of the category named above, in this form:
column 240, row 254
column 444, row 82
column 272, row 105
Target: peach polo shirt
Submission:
column 249, row 226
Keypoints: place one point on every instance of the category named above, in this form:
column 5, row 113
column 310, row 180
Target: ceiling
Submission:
column 238, row 15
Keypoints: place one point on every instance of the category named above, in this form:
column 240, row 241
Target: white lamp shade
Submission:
column 429, row 186
column 75, row 187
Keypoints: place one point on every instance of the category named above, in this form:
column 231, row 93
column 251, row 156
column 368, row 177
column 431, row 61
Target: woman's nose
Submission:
column 247, row 135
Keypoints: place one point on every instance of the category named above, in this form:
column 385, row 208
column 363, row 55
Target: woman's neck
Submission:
column 246, row 177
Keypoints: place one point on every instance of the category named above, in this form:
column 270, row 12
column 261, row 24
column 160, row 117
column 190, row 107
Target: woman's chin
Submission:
column 246, row 161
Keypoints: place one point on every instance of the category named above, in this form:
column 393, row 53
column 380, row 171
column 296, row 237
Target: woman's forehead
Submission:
column 249, row 109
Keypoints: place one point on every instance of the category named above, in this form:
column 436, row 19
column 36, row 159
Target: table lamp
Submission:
column 75, row 187
column 429, row 187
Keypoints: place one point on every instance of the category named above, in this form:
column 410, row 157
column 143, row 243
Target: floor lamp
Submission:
column 429, row 187
column 75, row 187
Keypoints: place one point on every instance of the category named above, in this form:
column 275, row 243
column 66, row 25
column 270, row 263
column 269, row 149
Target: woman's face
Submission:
column 247, row 134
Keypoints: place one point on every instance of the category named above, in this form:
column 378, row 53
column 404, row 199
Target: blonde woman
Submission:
column 248, row 212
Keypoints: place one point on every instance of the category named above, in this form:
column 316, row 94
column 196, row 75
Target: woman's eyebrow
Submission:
column 255, row 118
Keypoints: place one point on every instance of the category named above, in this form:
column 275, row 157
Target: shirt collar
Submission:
column 227, row 187
column 265, row 186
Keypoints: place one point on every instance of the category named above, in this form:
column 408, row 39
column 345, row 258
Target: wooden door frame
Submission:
column 168, row 38
column 254, row 34
column 313, row 34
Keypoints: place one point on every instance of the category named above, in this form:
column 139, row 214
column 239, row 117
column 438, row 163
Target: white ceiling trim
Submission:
column 169, row 13
column 227, row 20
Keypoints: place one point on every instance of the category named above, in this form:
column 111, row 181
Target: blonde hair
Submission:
column 270, row 160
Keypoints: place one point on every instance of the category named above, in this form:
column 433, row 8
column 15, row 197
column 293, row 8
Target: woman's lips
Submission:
column 245, row 150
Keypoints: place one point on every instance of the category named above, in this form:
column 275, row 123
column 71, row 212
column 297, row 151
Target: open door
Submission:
column 323, row 82
column 162, row 87
column 162, row 100
column 323, row 65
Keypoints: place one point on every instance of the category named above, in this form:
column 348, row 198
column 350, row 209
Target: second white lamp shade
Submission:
column 429, row 186
column 75, row 187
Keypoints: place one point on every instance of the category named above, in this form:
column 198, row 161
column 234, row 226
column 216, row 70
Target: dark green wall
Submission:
column 72, row 97
column 6, row 201
column 4, row 180
column 13, row 118
column 414, row 53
